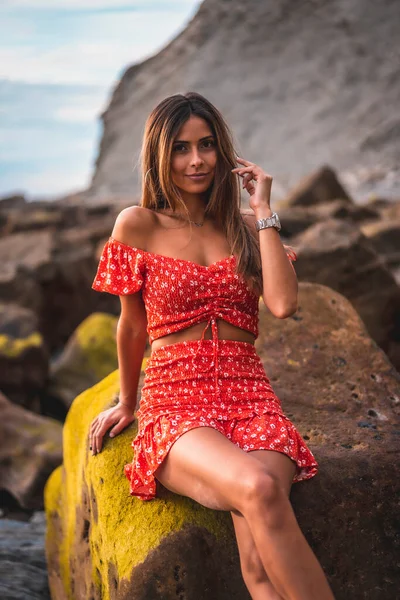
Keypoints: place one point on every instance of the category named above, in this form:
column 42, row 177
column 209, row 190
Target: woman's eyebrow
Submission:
column 200, row 140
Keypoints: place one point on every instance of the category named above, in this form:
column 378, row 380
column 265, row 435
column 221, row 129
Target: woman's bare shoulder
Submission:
column 133, row 226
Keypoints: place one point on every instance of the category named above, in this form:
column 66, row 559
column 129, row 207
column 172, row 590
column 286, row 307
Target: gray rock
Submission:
column 297, row 88
column 23, row 571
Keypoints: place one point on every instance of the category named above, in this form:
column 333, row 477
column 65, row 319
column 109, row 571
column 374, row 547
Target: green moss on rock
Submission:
column 120, row 530
column 14, row 347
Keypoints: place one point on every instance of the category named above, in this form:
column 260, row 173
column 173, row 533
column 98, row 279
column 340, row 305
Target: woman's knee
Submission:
column 262, row 489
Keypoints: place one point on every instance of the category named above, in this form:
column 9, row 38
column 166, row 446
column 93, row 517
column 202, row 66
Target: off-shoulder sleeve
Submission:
column 121, row 269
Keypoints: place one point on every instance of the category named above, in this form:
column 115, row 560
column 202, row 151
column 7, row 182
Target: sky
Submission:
column 59, row 62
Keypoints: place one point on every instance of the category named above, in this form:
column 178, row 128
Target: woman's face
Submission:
column 194, row 151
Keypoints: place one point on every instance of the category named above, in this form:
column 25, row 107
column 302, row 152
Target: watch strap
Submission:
column 272, row 221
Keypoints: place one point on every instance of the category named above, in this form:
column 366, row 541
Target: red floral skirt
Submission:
column 220, row 384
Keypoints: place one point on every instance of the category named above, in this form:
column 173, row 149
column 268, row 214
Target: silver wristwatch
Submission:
column 272, row 221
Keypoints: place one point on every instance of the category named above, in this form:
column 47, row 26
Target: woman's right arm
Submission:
column 131, row 224
column 131, row 342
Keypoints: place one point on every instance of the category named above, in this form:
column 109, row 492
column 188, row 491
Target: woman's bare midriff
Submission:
column 226, row 331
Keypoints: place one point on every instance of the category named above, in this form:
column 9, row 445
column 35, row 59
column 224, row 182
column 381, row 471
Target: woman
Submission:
column 189, row 267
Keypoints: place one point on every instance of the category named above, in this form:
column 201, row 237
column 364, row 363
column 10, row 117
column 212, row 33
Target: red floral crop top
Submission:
column 178, row 293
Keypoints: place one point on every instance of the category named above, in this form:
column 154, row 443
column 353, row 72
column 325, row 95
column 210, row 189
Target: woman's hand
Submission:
column 260, row 194
column 120, row 416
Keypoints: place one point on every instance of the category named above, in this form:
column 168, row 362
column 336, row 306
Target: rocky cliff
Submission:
column 300, row 83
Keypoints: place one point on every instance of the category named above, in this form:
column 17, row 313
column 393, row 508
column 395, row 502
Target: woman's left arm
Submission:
column 280, row 286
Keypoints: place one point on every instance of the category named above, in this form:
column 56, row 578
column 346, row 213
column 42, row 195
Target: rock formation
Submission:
column 89, row 355
column 301, row 84
column 23, row 569
column 31, row 448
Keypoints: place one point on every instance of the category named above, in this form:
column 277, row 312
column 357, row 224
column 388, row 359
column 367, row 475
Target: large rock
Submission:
column 340, row 389
column 23, row 569
column 295, row 219
column 103, row 544
column 89, row 355
column 306, row 96
column 320, row 187
column 342, row 393
column 384, row 235
column 31, row 448
column 24, row 356
column 337, row 254
column 51, row 274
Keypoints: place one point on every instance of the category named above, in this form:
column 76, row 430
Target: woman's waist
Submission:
column 199, row 331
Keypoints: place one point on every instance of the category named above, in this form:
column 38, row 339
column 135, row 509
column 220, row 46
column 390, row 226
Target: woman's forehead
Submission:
column 194, row 128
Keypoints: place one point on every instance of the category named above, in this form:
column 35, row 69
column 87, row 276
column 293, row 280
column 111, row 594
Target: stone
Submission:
column 384, row 236
column 52, row 275
column 317, row 188
column 24, row 357
column 102, row 543
column 89, row 355
column 330, row 377
column 336, row 253
column 23, row 568
column 295, row 219
column 319, row 107
column 30, row 450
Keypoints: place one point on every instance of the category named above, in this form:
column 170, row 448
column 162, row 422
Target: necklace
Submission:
column 177, row 216
column 195, row 223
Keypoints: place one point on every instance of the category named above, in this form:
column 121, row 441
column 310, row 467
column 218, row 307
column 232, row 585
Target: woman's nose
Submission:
column 196, row 159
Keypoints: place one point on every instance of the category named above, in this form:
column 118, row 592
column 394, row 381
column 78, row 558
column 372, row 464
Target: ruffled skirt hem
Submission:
column 149, row 453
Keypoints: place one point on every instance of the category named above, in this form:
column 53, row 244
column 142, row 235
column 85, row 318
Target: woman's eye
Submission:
column 182, row 147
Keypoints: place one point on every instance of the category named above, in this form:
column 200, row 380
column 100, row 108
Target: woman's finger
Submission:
column 244, row 161
column 118, row 427
column 101, row 431
column 244, row 169
column 96, row 445
column 246, row 180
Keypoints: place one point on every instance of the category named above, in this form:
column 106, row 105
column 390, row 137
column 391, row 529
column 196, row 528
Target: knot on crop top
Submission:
column 178, row 293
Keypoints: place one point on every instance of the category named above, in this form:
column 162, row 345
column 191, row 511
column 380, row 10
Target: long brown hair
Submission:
column 223, row 197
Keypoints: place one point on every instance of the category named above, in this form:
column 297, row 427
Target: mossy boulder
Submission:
column 89, row 355
column 24, row 358
column 102, row 543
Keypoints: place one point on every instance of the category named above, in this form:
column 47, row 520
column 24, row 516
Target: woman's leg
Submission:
column 204, row 465
column 254, row 574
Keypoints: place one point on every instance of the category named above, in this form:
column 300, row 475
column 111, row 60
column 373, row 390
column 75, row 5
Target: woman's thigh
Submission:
column 207, row 467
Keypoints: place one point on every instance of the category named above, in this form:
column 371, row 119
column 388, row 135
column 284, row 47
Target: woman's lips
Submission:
column 198, row 177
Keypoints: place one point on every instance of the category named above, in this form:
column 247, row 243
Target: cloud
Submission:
column 114, row 5
column 92, row 49
column 48, row 184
